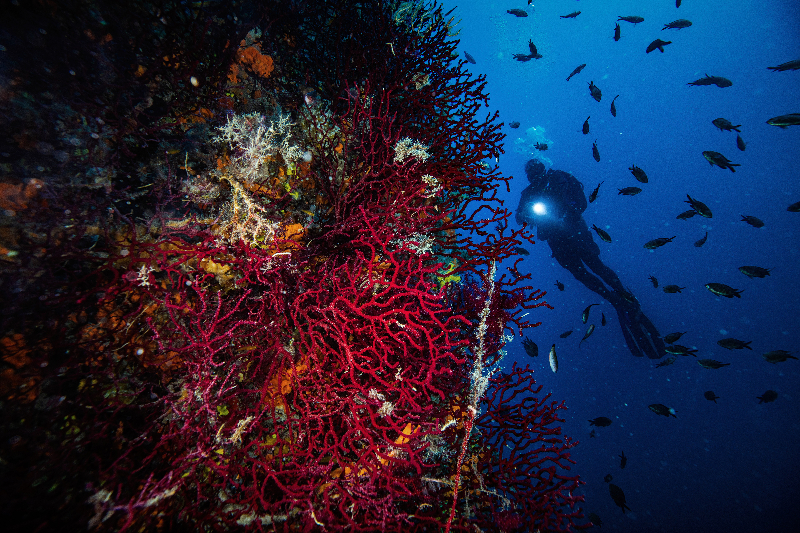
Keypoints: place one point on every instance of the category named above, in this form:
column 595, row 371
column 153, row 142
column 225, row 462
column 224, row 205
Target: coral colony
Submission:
column 275, row 305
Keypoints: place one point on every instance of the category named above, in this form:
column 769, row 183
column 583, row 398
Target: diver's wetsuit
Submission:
column 573, row 246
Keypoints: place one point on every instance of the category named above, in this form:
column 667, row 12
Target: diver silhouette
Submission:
column 554, row 202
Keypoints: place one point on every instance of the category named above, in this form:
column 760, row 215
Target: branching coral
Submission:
column 315, row 355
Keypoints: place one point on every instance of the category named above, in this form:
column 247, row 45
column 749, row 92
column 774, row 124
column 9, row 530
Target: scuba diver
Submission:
column 554, row 202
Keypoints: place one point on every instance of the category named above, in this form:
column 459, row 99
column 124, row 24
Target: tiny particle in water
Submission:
column 194, row 82
column 124, row 252
column 188, row 283
column 139, row 351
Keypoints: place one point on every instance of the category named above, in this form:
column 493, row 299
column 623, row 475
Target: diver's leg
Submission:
column 581, row 273
column 639, row 332
column 610, row 277
column 624, row 324
column 651, row 338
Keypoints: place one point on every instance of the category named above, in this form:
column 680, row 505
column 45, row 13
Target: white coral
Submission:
column 433, row 186
column 254, row 140
column 407, row 147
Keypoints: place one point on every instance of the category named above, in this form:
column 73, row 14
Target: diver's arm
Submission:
column 522, row 215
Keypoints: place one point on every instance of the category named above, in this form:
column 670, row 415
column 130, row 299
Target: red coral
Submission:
column 320, row 376
column 528, row 456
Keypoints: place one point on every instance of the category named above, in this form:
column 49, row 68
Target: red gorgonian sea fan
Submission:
column 313, row 345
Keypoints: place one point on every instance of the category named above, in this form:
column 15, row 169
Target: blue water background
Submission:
column 730, row 466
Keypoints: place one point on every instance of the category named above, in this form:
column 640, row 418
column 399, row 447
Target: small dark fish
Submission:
column 601, row 233
column 657, row 243
column 559, row 285
column 613, row 107
column 616, row 32
column 677, row 25
column 753, row 221
column 608, row 478
column 720, row 289
column 585, row 128
column 632, row 19
column 754, row 271
column 600, row 421
column 701, row 208
column 686, row 214
column 794, row 208
column 531, row 348
column 638, row 173
column 777, row 356
column 657, row 44
column 595, row 151
column 789, row 65
column 629, row 191
column 679, row 349
column 725, row 125
column 517, row 12
column 672, row 289
column 595, row 520
column 587, row 335
column 553, row 359
column 602, row 319
column 784, row 121
column 566, row 334
column 534, row 53
column 677, row 3
column 623, row 460
column 716, row 158
column 592, row 434
column 469, row 58
column 710, row 396
column 513, row 125
column 711, row 364
column 734, row 344
column 585, row 314
column 618, row 496
column 702, row 241
column 521, row 251
column 595, row 91
column 541, row 147
column 769, row 396
column 523, row 57
column 571, row 15
column 654, row 281
column 740, row 144
column 593, row 195
column 666, row 362
column 576, row 71
column 672, row 338
column 719, row 81
column 661, row 409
